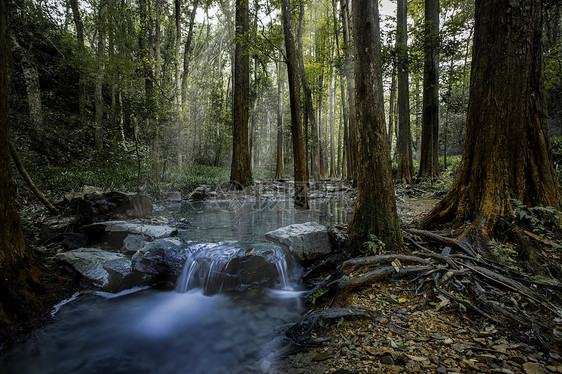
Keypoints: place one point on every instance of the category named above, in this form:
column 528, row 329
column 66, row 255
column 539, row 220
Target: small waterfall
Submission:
column 217, row 268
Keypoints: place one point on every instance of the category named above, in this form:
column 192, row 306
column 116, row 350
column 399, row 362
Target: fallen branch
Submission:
column 351, row 265
column 30, row 183
column 448, row 241
column 345, row 286
column 300, row 332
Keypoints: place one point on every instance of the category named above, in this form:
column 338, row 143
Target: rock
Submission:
column 441, row 370
column 534, row 368
column 54, row 226
column 74, row 240
column 200, row 193
column 387, row 359
column 173, row 196
column 115, row 232
column 95, row 207
column 73, row 197
column 133, row 243
column 307, row 241
column 221, row 268
column 106, row 270
column 339, row 237
column 162, row 257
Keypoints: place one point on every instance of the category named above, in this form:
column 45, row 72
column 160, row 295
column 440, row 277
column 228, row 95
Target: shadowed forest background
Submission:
column 139, row 95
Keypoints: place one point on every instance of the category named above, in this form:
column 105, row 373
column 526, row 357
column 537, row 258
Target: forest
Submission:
column 423, row 138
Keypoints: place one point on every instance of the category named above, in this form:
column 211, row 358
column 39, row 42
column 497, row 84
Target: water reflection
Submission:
column 218, row 221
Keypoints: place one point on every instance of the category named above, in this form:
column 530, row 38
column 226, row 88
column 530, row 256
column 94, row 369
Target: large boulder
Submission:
column 307, row 241
column 200, row 193
column 97, row 207
column 107, row 270
column 162, row 257
column 114, row 233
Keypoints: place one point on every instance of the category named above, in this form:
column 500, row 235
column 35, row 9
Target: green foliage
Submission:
column 504, row 253
column 544, row 221
column 372, row 247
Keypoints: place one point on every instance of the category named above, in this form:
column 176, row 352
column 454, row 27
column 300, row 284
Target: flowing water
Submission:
column 215, row 321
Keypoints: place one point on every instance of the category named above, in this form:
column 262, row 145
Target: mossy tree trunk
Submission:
column 506, row 151
column 240, row 171
column 375, row 210
column 301, row 172
column 19, row 280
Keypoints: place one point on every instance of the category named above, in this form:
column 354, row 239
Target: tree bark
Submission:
column 20, row 276
column 342, row 157
column 240, row 171
column 308, row 106
column 177, row 81
column 506, row 148
column 352, row 146
column 279, row 172
column 186, row 54
column 375, row 209
column 429, row 162
column 391, row 109
column 301, row 174
column 98, row 93
column 405, row 161
column 81, row 49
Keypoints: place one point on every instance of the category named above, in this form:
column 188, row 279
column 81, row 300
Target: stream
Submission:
column 194, row 328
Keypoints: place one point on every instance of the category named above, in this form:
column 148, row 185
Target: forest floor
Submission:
column 412, row 329
column 409, row 329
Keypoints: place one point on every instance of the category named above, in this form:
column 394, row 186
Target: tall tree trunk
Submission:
column 186, row 54
column 279, row 172
column 344, row 115
column 391, row 109
column 375, row 209
column 506, row 149
column 20, row 276
column 81, row 50
column 155, row 42
column 240, row 171
column 429, row 162
column 33, row 89
column 418, row 120
column 352, row 139
column 98, row 94
column 308, row 106
column 405, row 161
column 177, row 81
column 301, row 174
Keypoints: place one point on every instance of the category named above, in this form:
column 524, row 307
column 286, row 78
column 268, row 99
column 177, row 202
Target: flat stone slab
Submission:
column 307, row 241
column 104, row 269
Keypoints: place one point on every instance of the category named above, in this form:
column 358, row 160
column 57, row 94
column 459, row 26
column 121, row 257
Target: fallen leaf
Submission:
column 249, row 252
column 322, row 356
column 417, row 358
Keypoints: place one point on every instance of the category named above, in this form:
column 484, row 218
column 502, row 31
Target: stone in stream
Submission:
column 107, row 270
column 162, row 257
column 221, row 268
column 307, row 241
column 115, row 232
column 200, row 193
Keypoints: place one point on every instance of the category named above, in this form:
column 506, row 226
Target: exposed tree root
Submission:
column 300, row 333
column 501, row 295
